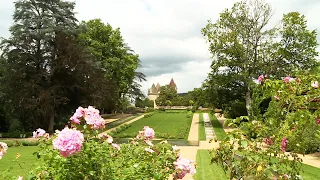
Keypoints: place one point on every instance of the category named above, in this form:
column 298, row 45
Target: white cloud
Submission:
column 167, row 34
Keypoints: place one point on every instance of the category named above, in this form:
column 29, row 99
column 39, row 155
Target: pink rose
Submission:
column 315, row 84
column 284, row 143
column 183, row 167
column 80, row 112
column 148, row 142
column 116, row 146
column 260, row 78
column 39, row 133
column 148, row 132
column 3, row 149
column 288, row 79
column 68, row 142
column 149, row 150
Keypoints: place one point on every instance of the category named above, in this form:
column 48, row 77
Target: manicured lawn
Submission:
column 26, row 160
column 207, row 170
column 202, row 133
column 165, row 125
column 217, row 128
column 310, row 172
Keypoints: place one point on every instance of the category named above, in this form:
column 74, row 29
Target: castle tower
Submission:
column 173, row 84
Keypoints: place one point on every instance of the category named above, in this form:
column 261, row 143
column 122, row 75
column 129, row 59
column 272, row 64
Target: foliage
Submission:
column 51, row 64
column 167, row 95
column 242, row 158
column 144, row 103
column 20, row 142
column 116, row 59
column 16, row 135
column 292, row 111
column 100, row 158
column 243, row 48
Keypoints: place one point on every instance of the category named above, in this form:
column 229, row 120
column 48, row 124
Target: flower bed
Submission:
column 79, row 151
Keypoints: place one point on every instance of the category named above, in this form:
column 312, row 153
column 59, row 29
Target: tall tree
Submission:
column 297, row 47
column 32, row 57
column 237, row 39
column 118, row 62
column 167, row 95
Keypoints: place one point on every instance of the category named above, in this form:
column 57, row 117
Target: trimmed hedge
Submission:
column 20, row 142
column 15, row 135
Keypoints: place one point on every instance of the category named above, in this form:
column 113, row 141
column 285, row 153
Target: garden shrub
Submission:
column 235, row 109
column 248, row 159
column 150, row 109
column 16, row 134
column 149, row 115
column 293, row 111
column 79, row 151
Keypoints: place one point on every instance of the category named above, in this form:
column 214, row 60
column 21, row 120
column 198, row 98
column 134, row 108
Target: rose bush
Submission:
column 251, row 159
column 289, row 108
column 79, row 151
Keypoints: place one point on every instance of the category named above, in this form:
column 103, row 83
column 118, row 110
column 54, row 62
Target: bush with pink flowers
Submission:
column 79, row 151
column 289, row 108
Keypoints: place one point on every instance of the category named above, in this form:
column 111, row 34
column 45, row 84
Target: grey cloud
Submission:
column 157, row 66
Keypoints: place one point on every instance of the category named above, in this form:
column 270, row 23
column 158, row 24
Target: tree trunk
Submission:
column 51, row 122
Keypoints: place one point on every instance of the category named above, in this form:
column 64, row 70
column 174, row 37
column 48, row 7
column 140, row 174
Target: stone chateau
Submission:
column 153, row 92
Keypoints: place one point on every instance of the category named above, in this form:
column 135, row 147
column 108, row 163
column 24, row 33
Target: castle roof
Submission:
column 158, row 86
column 172, row 83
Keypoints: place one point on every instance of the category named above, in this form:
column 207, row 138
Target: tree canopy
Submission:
column 243, row 48
column 51, row 64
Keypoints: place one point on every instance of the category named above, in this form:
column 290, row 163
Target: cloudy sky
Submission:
column 167, row 33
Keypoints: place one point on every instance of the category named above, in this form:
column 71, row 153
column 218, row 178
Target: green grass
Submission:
column 120, row 121
column 26, row 160
column 217, row 128
column 202, row 133
column 172, row 125
column 207, row 170
column 310, row 172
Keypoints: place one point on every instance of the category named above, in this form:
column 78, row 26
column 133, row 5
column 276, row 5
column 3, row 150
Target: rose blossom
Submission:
column 116, row 146
column 175, row 148
column 318, row 121
column 260, row 78
column 3, row 149
column 68, row 142
column 38, row 133
column 148, row 132
column 315, row 84
column 284, row 144
column 91, row 116
column 106, row 136
column 286, row 79
column 149, row 150
column 148, row 142
column 268, row 141
column 276, row 97
column 77, row 115
column 183, row 167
